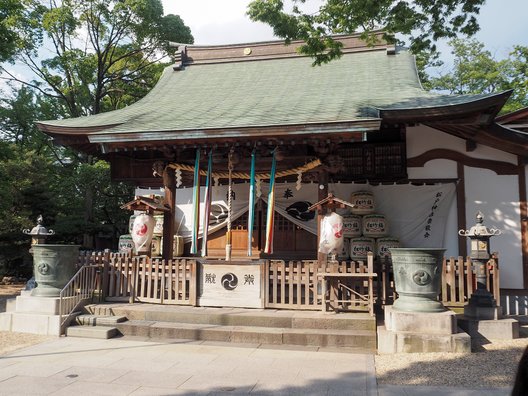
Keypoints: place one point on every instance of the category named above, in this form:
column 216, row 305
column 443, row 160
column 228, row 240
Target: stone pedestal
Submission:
column 487, row 322
column 500, row 329
column 31, row 314
column 482, row 312
column 416, row 332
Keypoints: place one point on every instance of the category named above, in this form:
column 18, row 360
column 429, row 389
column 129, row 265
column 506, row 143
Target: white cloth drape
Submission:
column 416, row 215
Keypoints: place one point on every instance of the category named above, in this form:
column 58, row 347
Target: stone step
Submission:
column 271, row 318
column 95, row 320
column 101, row 332
column 364, row 339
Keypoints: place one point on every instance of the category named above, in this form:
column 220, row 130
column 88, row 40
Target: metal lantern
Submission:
column 39, row 233
column 479, row 236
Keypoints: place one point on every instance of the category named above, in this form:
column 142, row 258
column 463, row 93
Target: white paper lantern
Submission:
column 142, row 231
column 331, row 234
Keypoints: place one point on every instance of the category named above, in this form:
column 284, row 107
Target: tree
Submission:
column 90, row 56
column 422, row 22
column 476, row 71
column 98, row 49
column 11, row 15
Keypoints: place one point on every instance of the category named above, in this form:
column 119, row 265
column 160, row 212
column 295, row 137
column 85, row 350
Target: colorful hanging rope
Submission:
column 251, row 211
column 207, row 203
column 230, row 167
column 196, row 204
column 271, row 209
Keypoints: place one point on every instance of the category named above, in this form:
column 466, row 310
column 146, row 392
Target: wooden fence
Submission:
column 295, row 284
column 299, row 285
column 142, row 279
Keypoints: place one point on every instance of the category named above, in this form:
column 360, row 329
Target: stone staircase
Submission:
column 352, row 332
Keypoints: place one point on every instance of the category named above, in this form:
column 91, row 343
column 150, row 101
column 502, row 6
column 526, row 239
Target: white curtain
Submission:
column 416, row 215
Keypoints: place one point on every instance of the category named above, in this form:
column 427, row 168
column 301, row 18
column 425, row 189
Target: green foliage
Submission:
column 476, row 71
column 100, row 54
column 422, row 22
column 23, row 195
column 86, row 56
column 39, row 178
column 17, row 19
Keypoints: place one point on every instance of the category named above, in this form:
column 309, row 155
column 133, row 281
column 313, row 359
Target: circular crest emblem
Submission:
column 229, row 281
column 422, row 278
column 43, row 268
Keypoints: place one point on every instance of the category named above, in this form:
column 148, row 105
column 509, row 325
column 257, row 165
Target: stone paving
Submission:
column 78, row 366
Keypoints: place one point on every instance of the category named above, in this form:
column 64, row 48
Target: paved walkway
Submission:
column 76, row 366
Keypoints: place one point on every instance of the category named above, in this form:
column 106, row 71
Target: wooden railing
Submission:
column 300, row 285
column 291, row 284
column 142, row 279
column 459, row 283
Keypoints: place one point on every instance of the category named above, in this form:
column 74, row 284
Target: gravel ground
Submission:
column 499, row 359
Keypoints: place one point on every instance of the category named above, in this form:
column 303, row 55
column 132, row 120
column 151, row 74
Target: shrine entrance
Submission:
column 291, row 241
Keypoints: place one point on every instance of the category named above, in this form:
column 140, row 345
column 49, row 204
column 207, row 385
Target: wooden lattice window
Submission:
column 373, row 161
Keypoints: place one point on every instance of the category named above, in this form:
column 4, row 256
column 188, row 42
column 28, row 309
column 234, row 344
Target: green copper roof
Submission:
column 273, row 92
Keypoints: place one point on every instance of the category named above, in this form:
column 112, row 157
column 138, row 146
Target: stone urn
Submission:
column 53, row 267
column 417, row 277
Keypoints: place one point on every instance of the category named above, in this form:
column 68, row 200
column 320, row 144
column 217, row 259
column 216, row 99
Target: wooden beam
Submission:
column 471, row 145
column 169, row 183
column 461, row 208
column 499, row 167
column 524, row 218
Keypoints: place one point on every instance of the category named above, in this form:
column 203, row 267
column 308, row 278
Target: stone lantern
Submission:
column 39, row 233
column 481, row 305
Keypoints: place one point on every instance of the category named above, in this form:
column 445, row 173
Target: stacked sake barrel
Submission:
column 364, row 230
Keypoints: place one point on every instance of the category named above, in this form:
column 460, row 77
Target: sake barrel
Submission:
column 344, row 253
column 155, row 246
column 359, row 247
column 352, row 226
column 131, row 223
column 363, row 202
column 177, row 247
column 375, row 226
column 125, row 244
column 384, row 244
column 158, row 227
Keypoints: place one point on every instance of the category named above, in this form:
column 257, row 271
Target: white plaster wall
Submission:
column 496, row 196
column 435, row 169
column 423, row 138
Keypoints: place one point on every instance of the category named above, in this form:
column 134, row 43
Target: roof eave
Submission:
column 254, row 132
column 486, row 108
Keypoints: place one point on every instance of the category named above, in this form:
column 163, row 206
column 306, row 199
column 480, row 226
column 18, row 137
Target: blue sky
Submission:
column 503, row 23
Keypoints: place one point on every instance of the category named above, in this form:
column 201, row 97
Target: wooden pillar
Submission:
column 461, row 208
column 322, row 193
column 169, row 183
column 524, row 218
